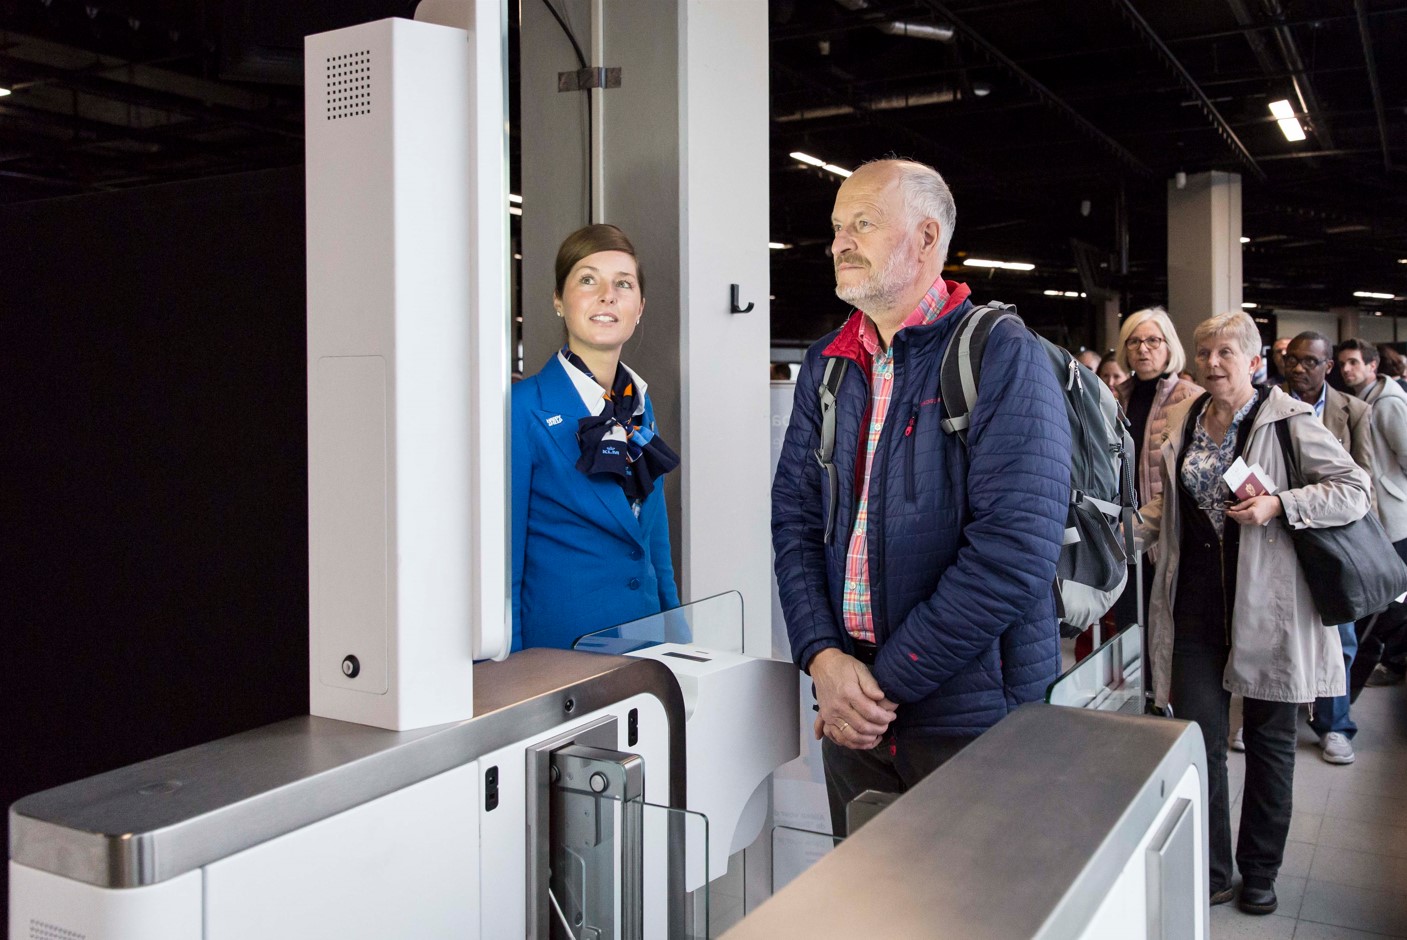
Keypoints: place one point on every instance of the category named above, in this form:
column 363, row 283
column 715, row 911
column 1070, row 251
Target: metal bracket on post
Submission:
column 582, row 79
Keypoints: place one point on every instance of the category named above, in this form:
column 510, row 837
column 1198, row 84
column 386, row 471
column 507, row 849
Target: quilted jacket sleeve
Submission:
column 1018, row 490
column 798, row 525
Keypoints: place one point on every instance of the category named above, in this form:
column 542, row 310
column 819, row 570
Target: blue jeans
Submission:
column 1331, row 714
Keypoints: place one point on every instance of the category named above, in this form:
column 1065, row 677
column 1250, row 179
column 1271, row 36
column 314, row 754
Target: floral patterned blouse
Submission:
column 1207, row 461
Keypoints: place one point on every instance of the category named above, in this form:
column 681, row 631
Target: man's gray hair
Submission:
column 927, row 196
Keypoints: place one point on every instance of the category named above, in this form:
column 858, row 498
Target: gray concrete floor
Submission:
column 1345, row 870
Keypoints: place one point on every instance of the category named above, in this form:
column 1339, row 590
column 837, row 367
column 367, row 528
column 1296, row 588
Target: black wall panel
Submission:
column 153, row 565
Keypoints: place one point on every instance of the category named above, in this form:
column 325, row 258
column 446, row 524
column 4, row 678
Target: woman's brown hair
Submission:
column 1391, row 362
column 587, row 241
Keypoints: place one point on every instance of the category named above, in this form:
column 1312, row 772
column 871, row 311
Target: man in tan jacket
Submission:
column 1308, row 360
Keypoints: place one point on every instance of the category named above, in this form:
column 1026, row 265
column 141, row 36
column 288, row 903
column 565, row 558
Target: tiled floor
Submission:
column 1345, row 871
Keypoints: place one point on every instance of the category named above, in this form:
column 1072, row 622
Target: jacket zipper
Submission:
column 909, row 457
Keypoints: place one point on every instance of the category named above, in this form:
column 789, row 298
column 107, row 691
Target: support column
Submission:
column 1106, row 333
column 683, row 171
column 1348, row 322
column 1204, row 250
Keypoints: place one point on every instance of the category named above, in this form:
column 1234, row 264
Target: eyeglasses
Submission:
column 1309, row 362
column 1153, row 342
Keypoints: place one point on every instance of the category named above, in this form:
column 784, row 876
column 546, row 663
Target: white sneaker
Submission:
column 1381, row 676
column 1238, row 740
column 1337, row 748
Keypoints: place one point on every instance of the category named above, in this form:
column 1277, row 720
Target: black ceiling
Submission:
column 1056, row 123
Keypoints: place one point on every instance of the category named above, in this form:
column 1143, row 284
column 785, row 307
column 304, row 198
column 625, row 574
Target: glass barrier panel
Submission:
column 714, row 623
column 1109, row 679
column 627, row 870
column 675, row 899
column 795, row 850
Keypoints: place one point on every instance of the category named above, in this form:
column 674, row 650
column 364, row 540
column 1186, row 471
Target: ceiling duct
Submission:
column 886, row 103
column 939, row 32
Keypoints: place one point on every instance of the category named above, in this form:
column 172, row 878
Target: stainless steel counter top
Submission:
column 161, row 818
column 992, row 844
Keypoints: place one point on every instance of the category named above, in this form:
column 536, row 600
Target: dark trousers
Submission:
column 1197, row 695
column 900, row 760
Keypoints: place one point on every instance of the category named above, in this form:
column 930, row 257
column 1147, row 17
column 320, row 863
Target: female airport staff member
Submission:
column 590, row 536
column 1231, row 610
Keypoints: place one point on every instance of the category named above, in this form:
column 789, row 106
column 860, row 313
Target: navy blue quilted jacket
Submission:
column 962, row 546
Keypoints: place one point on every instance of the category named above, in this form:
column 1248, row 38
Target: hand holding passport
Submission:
column 1248, row 482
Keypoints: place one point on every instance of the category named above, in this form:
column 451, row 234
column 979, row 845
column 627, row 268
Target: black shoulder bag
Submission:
column 1352, row 569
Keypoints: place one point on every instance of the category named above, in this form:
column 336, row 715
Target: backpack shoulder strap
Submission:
column 830, row 384
column 960, row 372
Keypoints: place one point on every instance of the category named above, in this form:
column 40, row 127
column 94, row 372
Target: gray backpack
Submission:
column 1094, row 561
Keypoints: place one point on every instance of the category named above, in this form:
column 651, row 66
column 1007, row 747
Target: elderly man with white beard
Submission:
column 915, row 577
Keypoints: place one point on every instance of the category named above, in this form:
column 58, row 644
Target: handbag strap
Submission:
column 1287, row 450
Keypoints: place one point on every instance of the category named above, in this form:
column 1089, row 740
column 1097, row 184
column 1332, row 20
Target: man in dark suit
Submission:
column 1308, row 361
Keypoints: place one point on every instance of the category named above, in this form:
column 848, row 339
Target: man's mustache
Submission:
column 849, row 258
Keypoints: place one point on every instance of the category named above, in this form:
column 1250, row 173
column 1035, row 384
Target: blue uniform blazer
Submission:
column 582, row 561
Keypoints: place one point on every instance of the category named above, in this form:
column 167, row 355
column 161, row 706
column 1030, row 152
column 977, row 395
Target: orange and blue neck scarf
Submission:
column 616, row 442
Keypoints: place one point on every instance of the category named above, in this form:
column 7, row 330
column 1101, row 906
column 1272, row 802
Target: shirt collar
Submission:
column 1318, row 405
column 929, row 309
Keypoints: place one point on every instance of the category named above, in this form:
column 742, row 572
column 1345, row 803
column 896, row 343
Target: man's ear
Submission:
column 930, row 232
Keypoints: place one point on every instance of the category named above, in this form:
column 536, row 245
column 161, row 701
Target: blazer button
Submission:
column 633, row 584
column 636, row 554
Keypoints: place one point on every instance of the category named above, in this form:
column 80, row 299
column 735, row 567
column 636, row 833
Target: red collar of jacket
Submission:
column 847, row 341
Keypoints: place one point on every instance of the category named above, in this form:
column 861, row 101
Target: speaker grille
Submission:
column 40, row 930
column 349, row 85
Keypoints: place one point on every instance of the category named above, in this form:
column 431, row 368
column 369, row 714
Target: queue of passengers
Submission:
column 880, row 549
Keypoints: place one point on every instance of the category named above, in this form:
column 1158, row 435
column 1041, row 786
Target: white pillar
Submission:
column 1204, row 250
column 724, row 356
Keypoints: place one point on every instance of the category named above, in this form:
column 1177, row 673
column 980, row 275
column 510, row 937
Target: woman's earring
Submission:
column 637, row 321
column 559, row 312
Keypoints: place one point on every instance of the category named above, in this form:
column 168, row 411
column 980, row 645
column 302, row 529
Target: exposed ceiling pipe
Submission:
column 937, row 32
column 1209, row 109
column 1373, row 80
column 941, row 32
column 886, row 103
column 1044, row 94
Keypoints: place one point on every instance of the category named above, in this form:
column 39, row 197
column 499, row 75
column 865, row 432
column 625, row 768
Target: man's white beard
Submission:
column 883, row 288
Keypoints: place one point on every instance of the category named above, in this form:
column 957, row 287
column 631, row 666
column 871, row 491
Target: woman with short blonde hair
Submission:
column 1150, row 351
column 1231, row 610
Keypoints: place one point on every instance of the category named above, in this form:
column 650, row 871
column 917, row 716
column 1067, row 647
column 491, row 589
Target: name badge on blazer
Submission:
column 553, row 421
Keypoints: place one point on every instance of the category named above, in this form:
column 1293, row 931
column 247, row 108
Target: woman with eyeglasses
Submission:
column 1151, row 352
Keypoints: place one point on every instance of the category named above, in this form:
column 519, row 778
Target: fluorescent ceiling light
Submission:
column 514, row 210
column 1249, row 306
column 1006, row 265
column 1291, row 129
column 1402, row 260
column 514, row 197
column 1245, row 240
column 4, row 92
column 778, row 246
column 806, row 158
column 1372, row 295
column 1285, row 116
column 837, row 170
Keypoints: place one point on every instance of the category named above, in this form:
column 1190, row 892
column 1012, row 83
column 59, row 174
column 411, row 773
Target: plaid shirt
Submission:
column 855, row 601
